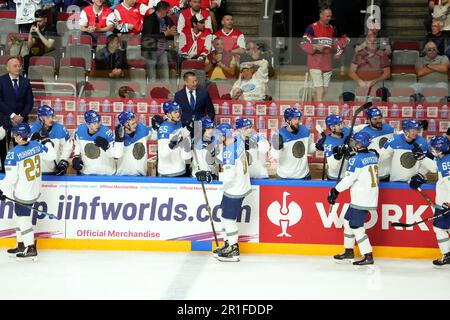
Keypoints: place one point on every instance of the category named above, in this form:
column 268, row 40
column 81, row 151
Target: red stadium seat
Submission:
column 73, row 62
column 136, row 63
column 83, row 39
column 43, row 61
column 193, row 64
column 7, row 14
column 134, row 41
column 158, row 91
column 402, row 69
column 406, row 45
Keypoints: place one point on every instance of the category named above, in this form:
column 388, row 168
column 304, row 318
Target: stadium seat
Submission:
column 97, row 89
column 8, row 26
column 42, row 68
column 10, row 37
column 434, row 94
column 400, row 94
column 3, row 60
column 158, row 91
column 406, row 45
column 133, row 85
column 403, row 76
column 137, row 72
column 405, row 57
column 197, row 67
column 101, row 43
column 220, row 91
column 72, row 69
column 366, row 94
column 66, row 27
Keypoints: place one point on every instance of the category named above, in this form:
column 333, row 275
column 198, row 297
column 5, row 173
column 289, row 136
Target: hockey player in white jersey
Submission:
column 131, row 139
column 256, row 147
column 174, row 143
column 380, row 133
column 361, row 178
column 94, row 147
column 405, row 149
column 22, row 182
column 47, row 128
column 440, row 149
column 207, row 150
column 292, row 146
column 330, row 143
column 236, row 186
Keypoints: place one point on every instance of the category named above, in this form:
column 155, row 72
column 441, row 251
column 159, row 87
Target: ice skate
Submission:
column 29, row 254
column 443, row 262
column 229, row 254
column 14, row 251
column 366, row 261
column 215, row 252
column 347, row 257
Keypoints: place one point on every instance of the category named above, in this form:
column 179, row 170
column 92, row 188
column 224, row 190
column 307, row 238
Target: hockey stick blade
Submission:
column 33, row 209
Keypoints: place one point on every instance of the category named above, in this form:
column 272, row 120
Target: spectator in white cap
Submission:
column 252, row 81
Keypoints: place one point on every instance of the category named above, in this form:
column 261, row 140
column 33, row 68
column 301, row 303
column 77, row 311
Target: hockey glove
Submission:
column 423, row 124
column 417, row 152
column 343, row 151
column 204, row 176
column 175, row 141
column 320, row 143
column 416, row 181
column 77, row 163
column 332, row 196
column 2, row 196
column 40, row 135
column 101, row 143
column 61, row 168
column 119, row 133
column 337, row 153
column 157, row 120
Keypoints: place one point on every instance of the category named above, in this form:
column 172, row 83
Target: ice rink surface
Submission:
column 61, row 274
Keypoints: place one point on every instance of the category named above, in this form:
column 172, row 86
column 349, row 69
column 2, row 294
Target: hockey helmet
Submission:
column 440, row 144
column 290, row 113
column 45, row 110
column 374, row 112
column 91, row 116
column 333, row 120
column 410, row 124
column 125, row 116
column 22, row 129
column 207, row 123
column 242, row 123
column 362, row 138
column 225, row 130
column 170, row 106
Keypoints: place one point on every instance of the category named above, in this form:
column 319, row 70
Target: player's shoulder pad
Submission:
column 104, row 131
column 59, row 132
column 36, row 126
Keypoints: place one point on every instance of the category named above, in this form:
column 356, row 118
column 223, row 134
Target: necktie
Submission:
column 192, row 100
column 16, row 87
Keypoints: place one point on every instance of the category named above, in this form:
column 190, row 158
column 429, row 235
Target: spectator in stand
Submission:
column 175, row 6
column 197, row 43
column 129, row 16
column 158, row 29
column 432, row 69
column 220, row 65
column 252, row 83
column 39, row 43
column 254, row 52
column 97, row 18
column 111, row 61
column 25, row 13
column 319, row 43
column 438, row 37
column 383, row 42
column 429, row 19
column 184, row 20
column 233, row 39
column 125, row 92
column 441, row 12
column 370, row 66
column 212, row 6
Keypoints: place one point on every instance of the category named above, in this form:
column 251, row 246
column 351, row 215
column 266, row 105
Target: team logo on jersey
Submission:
column 284, row 215
column 91, row 151
column 138, row 151
column 248, row 87
column 407, row 160
column 382, row 142
column 298, row 149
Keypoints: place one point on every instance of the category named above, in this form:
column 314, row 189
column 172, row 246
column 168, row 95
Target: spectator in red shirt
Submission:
column 319, row 43
column 96, row 18
column 220, row 65
column 197, row 44
column 184, row 20
column 233, row 39
column 130, row 16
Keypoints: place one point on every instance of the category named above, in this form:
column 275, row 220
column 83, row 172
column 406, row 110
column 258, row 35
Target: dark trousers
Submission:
column 4, row 144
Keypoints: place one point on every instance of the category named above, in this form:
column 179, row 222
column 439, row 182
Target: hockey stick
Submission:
column 365, row 106
column 432, row 204
column 204, row 190
column 31, row 208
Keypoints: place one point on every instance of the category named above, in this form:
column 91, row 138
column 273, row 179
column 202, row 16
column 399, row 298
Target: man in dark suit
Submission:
column 195, row 102
column 16, row 101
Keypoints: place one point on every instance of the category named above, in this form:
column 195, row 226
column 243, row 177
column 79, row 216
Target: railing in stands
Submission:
column 56, row 84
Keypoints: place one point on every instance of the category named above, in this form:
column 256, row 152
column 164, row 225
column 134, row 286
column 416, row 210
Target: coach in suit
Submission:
column 16, row 101
column 195, row 102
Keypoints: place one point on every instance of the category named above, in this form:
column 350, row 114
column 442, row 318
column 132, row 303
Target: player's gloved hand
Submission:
column 61, row 168
column 320, row 143
column 204, row 176
column 2, row 196
column 416, row 181
column 101, row 143
column 446, row 207
column 423, row 124
column 157, row 120
column 175, row 141
column 332, row 196
column 343, row 151
column 417, row 152
column 119, row 133
column 77, row 163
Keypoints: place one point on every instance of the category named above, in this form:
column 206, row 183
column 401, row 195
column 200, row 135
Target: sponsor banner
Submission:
column 130, row 210
column 300, row 214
